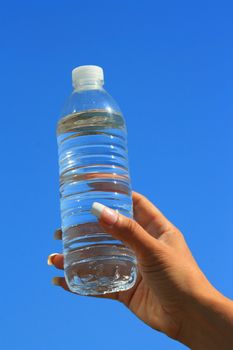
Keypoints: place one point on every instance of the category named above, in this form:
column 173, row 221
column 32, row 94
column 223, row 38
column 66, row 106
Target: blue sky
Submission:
column 169, row 65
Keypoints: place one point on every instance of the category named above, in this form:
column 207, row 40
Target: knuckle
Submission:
column 131, row 226
column 178, row 233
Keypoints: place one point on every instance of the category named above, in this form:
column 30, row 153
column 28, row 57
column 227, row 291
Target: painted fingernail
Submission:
column 56, row 281
column 50, row 259
column 58, row 234
column 109, row 216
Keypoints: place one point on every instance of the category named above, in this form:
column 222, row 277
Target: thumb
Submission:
column 126, row 230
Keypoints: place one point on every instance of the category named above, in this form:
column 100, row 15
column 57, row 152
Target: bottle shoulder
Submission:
column 87, row 100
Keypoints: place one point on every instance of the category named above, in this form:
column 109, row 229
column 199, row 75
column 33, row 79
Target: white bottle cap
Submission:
column 83, row 74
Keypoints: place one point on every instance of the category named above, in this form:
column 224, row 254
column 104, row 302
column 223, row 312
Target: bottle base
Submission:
column 102, row 274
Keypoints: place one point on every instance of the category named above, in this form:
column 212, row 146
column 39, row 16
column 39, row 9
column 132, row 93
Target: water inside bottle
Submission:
column 93, row 164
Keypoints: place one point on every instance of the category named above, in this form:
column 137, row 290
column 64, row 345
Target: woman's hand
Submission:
column 171, row 293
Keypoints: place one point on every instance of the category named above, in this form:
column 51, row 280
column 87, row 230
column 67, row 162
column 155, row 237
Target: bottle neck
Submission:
column 88, row 85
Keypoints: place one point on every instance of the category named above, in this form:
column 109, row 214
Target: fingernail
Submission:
column 58, row 234
column 109, row 216
column 50, row 259
column 56, row 281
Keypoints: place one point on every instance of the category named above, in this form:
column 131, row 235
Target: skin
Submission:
column 171, row 295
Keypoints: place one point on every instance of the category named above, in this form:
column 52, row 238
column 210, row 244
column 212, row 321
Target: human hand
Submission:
column 171, row 293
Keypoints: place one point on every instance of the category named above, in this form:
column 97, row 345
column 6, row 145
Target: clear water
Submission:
column 93, row 165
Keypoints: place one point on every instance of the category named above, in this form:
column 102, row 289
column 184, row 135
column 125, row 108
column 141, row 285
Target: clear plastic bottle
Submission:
column 93, row 164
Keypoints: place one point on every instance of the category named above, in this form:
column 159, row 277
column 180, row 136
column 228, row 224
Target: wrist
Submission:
column 208, row 321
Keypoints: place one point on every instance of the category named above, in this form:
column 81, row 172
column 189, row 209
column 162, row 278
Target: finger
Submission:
column 56, row 260
column 61, row 282
column 126, row 230
column 149, row 217
column 58, row 234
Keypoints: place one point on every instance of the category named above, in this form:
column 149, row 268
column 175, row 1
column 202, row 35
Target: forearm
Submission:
column 209, row 323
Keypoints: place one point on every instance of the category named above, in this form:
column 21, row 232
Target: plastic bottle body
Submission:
column 93, row 163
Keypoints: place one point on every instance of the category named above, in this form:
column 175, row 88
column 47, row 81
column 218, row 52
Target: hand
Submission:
column 171, row 293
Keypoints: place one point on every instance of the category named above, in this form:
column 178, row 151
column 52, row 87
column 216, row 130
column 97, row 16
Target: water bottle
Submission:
column 93, row 166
